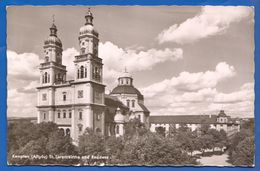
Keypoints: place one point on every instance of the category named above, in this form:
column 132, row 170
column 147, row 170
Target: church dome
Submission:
column 125, row 75
column 119, row 117
column 87, row 29
column 222, row 114
column 53, row 39
column 127, row 89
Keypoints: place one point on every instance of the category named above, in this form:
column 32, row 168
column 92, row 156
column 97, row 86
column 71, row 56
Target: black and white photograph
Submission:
column 130, row 85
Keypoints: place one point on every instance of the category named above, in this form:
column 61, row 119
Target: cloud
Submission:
column 246, row 93
column 23, row 66
column 68, row 57
column 212, row 20
column 115, row 59
column 192, row 81
column 197, row 93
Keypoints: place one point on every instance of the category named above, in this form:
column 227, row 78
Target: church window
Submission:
column 58, row 114
column 80, row 115
column 127, row 81
column 45, row 77
column 48, row 78
column 139, row 117
column 67, row 131
column 69, row 114
column 133, row 103
column 44, row 97
column 80, row 93
column 44, row 116
column 98, row 116
column 98, row 130
column 85, row 72
column 46, row 59
column 78, row 74
column 128, row 103
column 64, row 114
column 82, row 50
column 117, row 129
column 81, row 72
column 64, row 96
column 80, row 127
column 121, row 81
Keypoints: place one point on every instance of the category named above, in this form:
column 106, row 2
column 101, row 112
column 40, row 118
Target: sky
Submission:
column 186, row 60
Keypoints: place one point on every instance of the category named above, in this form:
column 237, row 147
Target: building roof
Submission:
column 114, row 101
column 143, row 107
column 222, row 114
column 126, row 89
column 185, row 119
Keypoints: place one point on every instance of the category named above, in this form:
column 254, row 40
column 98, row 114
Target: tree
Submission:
column 134, row 128
column 160, row 130
column 154, row 149
column 243, row 154
column 93, row 145
column 37, row 139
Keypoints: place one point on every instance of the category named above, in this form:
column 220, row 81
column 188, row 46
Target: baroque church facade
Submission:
column 75, row 105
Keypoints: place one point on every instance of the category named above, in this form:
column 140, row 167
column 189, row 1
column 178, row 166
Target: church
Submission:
column 75, row 105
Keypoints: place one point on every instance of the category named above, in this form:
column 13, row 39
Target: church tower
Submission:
column 52, row 73
column 88, row 82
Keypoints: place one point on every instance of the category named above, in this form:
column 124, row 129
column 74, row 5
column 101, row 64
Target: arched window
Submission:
column 48, row 78
column 45, row 77
column 128, row 103
column 85, row 72
column 59, row 77
column 67, row 131
column 117, row 129
column 46, row 59
column 78, row 73
column 69, row 114
column 82, row 72
column 58, row 114
column 80, row 115
column 98, row 130
column 44, row 116
column 64, row 114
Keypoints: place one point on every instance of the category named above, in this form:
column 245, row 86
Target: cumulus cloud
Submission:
column 196, row 93
column 115, row 59
column 187, row 81
column 22, row 66
column 212, row 20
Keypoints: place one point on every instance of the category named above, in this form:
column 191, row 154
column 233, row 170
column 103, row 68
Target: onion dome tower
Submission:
column 52, row 71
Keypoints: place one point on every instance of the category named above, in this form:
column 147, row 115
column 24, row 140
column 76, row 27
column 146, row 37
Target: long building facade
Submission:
column 221, row 121
column 75, row 105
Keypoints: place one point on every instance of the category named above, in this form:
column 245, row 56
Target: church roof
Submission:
column 143, row 107
column 114, row 101
column 126, row 89
column 185, row 119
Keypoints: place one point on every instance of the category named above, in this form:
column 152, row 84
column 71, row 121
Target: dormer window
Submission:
column 133, row 103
